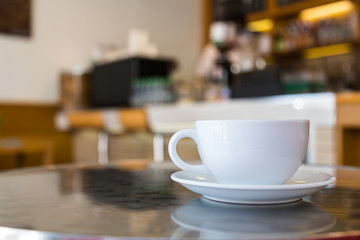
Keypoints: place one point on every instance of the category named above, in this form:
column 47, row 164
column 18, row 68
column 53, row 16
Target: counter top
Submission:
column 172, row 117
column 318, row 107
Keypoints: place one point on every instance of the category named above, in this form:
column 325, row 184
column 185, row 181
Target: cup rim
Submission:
column 254, row 121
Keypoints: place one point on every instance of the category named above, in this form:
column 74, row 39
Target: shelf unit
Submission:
column 344, row 46
column 276, row 13
column 280, row 14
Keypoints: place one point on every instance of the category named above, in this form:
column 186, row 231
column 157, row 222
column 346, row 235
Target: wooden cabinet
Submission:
column 28, row 136
column 348, row 129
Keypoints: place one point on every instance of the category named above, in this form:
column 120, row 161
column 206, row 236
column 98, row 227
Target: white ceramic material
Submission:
column 255, row 152
column 303, row 183
column 214, row 220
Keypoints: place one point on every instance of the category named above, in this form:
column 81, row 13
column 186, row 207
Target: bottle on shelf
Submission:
column 151, row 90
column 298, row 34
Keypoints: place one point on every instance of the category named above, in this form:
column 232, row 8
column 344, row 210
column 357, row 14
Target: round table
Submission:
column 142, row 202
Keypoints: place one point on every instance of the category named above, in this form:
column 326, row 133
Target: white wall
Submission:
column 64, row 32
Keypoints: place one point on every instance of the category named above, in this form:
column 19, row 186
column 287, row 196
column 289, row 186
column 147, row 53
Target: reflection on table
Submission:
column 232, row 221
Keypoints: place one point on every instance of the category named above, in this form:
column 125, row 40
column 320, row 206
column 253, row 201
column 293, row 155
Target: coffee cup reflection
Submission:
column 230, row 221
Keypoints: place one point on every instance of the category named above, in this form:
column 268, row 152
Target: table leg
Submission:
column 103, row 147
column 159, row 147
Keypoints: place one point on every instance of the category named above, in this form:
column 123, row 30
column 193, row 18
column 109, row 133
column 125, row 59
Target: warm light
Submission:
column 326, row 10
column 327, row 51
column 201, row 178
column 298, row 104
column 263, row 25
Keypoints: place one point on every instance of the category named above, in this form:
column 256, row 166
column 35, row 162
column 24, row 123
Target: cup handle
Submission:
column 185, row 133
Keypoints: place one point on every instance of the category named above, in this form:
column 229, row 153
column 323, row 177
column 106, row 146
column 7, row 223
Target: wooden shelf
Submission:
column 278, row 12
column 281, row 15
column 318, row 51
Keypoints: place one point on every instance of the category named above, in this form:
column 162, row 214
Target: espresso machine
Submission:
column 227, row 32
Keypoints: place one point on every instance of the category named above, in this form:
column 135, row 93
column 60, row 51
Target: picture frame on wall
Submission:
column 15, row 17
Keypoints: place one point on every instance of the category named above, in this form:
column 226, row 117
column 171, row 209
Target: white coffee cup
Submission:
column 254, row 152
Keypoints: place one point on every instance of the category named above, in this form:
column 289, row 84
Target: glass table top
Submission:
column 112, row 202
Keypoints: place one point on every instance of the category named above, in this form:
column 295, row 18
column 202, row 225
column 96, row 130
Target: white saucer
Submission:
column 303, row 183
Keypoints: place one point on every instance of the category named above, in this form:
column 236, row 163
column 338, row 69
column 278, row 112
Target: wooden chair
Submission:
column 19, row 148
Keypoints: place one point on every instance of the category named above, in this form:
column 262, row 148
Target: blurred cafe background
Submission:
column 88, row 81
